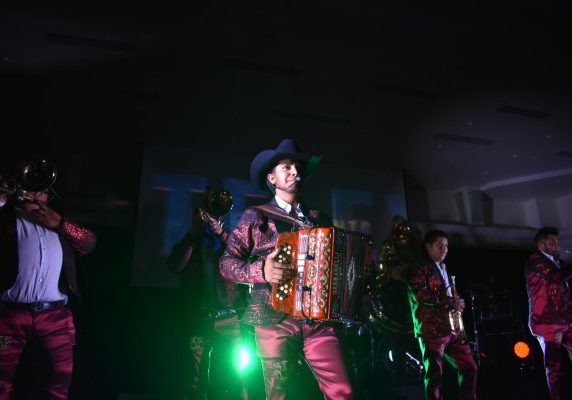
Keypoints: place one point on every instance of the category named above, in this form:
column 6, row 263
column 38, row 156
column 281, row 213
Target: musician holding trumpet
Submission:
column 250, row 257
column 37, row 281
column 437, row 316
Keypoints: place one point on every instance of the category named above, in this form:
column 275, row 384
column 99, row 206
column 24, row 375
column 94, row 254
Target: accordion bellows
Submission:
column 333, row 273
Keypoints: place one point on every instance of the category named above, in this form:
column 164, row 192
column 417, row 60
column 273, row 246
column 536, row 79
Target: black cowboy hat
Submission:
column 268, row 159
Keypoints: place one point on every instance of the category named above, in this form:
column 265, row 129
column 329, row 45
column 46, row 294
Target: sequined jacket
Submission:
column 252, row 239
column 550, row 306
column 73, row 238
column 430, row 305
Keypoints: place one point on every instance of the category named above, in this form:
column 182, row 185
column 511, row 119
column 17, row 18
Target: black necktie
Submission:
column 294, row 214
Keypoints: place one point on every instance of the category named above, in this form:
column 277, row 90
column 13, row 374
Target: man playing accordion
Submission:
column 250, row 257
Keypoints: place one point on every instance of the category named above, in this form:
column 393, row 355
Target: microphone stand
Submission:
column 475, row 344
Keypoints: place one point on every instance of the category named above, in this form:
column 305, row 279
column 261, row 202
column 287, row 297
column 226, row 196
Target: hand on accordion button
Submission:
column 276, row 271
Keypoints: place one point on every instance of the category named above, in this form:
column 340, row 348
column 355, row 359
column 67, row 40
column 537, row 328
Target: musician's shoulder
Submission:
column 255, row 213
column 421, row 266
column 250, row 212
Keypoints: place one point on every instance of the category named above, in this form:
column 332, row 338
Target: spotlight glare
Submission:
column 243, row 358
column 521, row 349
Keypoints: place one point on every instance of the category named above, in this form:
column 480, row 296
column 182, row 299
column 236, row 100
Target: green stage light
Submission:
column 243, row 357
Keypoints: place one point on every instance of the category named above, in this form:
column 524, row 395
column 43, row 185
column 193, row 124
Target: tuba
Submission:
column 389, row 304
column 34, row 174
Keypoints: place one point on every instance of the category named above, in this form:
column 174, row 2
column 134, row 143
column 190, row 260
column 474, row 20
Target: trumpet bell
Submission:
column 217, row 202
column 36, row 174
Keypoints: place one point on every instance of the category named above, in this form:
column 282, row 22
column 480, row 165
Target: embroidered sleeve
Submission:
column 79, row 238
column 244, row 255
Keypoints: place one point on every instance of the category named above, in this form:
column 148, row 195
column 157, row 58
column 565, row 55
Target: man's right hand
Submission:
column 276, row 272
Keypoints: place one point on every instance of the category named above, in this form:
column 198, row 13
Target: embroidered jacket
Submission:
column 253, row 238
column 430, row 305
column 550, row 306
column 73, row 238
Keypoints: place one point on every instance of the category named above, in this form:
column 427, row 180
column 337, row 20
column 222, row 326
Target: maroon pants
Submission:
column 51, row 331
column 459, row 355
column 557, row 364
column 278, row 343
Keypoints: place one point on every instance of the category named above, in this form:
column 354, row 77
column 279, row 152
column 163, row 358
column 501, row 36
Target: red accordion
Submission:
column 333, row 267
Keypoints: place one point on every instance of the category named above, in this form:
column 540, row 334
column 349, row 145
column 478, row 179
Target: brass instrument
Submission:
column 217, row 202
column 456, row 316
column 34, row 175
column 389, row 306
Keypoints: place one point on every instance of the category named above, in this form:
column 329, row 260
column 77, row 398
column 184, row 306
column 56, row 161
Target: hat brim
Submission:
column 268, row 159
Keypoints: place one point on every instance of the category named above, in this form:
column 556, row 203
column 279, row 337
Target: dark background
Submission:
column 378, row 86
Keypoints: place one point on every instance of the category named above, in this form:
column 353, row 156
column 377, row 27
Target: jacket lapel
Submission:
column 8, row 247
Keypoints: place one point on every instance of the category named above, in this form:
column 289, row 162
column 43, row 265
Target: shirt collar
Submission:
column 551, row 258
column 283, row 205
column 440, row 265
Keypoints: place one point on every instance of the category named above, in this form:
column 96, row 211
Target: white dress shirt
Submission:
column 288, row 207
column 551, row 258
column 40, row 259
column 443, row 270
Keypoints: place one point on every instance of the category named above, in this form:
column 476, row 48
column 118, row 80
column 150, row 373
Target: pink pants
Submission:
column 557, row 364
column 53, row 331
column 458, row 354
column 277, row 344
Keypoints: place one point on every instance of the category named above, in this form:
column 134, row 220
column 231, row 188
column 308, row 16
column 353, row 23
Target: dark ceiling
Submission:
column 458, row 93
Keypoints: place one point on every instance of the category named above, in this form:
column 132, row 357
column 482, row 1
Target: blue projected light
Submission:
column 179, row 201
column 177, row 209
column 241, row 189
column 169, row 197
column 347, row 205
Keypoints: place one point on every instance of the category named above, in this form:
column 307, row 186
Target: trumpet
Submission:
column 217, row 202
column 34, row 175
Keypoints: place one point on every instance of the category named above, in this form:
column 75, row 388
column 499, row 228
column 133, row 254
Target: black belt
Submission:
column 36, row 307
